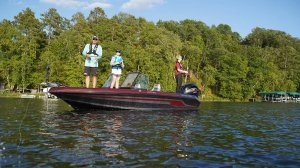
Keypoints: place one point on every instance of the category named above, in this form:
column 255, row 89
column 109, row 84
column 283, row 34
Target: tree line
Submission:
column 220, row 61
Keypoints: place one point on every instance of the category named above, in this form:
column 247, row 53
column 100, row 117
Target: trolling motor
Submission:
column 46, row 85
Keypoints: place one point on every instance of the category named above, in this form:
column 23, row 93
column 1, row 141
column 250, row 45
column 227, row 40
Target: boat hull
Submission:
column 124, row 99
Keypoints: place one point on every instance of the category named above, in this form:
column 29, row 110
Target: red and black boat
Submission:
column 132, row 95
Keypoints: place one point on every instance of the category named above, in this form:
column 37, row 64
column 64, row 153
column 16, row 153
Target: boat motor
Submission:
column 190, row 89
column 47, row 83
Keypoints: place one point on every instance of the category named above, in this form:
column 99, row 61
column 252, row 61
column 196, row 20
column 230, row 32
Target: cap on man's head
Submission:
column 118, row 51
column 95, row 38
column 178, row 57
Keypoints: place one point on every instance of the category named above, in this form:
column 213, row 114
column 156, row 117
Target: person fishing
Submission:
column 117, row 65
column 92, row 53
column 178, row 73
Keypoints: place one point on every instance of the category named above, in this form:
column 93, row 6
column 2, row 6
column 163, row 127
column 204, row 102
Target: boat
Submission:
column 132, row 95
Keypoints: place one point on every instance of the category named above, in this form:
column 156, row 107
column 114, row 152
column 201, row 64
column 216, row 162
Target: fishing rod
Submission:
column 187, row 69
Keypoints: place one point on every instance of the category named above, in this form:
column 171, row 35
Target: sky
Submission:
column 241, row 15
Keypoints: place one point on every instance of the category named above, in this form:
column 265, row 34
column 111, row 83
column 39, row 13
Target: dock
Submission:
column 280, row 96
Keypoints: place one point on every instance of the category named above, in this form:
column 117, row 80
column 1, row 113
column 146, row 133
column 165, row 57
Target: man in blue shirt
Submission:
column 92, row 53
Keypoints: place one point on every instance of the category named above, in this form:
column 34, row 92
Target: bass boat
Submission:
column 132, row 95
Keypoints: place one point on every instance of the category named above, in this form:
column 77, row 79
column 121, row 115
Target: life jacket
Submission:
column 117, row 66
column 93, row 50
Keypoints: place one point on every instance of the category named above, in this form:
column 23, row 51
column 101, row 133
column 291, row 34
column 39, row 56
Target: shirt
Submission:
column 178, row 65
column 92, row 61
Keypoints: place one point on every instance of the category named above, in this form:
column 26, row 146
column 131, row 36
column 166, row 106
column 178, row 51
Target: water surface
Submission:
column 48, row 133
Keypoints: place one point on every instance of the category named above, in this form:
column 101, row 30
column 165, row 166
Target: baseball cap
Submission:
column 178, row 57
column 95, row 38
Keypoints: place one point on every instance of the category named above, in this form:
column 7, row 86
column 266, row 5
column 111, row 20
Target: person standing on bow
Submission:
column 178, row 73
column 117, row 65
column 92, row 53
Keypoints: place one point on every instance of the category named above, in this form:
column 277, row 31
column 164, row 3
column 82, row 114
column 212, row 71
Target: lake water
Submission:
column 47, row 133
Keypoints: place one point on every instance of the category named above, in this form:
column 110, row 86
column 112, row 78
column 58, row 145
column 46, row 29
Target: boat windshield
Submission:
column 136, row 80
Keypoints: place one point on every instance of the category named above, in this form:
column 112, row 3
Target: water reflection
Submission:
column 112, row 146
column 123, row 135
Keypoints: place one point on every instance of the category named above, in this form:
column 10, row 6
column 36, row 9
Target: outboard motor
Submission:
column 190, row 89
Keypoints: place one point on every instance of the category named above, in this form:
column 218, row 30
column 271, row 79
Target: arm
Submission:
column 179, row 69
column 99, row 52
column 85, row 50
column 122, row 63
column 112, row 61
column 182, row 71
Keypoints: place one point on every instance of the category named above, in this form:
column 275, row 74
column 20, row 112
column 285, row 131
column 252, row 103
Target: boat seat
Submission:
column 137, row 86
column 156, row 87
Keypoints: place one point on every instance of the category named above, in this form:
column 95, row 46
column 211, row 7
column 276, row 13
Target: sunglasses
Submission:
column 95, row 39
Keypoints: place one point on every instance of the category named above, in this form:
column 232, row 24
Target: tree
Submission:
column 30, row 43
column 232, row 76
column 8, row 48
column 96, row 16
column 53, row 23
column 222, row 62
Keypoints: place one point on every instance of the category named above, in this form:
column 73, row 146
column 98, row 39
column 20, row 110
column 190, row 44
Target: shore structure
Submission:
column 280, row 96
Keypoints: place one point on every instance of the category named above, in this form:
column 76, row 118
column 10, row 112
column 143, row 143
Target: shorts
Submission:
column 116, row 71
column 90, row 71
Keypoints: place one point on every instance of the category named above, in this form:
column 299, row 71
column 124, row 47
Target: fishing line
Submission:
column 23, row 118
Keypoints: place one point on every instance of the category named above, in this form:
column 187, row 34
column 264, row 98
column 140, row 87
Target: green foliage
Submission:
column 232, row 76
column 221, row 61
